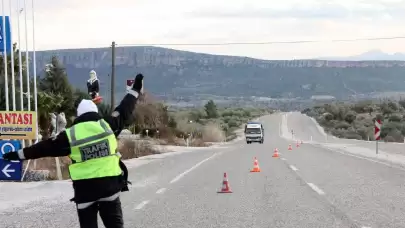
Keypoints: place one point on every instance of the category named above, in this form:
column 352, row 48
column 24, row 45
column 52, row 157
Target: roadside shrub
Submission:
column 213, row 133
column 356, row 121
column 130, row 148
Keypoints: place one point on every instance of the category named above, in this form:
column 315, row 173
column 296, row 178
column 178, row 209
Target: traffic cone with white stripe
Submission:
column 298, row 144
column 275, row 154
column 225, row 185
column 256, row 168
column 289, row 147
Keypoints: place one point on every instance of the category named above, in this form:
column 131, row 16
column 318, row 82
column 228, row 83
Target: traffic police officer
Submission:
column 97, row 173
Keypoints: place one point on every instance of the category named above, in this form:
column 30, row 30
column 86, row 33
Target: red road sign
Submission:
column 377, row 129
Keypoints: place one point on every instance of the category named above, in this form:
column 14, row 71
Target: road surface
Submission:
column 309, row 186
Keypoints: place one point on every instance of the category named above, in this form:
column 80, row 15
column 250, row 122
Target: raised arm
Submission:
column 124, row 112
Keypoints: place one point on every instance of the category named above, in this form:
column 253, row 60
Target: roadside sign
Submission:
column 10, row 170
column 377, row 130
column 18, row 125
column 5, row 36
column 130, row 82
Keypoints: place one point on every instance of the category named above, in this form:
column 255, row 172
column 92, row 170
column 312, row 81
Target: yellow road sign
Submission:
column 18, row 124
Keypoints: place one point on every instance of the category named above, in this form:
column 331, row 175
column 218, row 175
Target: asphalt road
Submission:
column 306, row 187
column 305, row 129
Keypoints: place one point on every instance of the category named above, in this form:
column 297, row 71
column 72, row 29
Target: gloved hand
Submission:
column 138, row 84
column 124, row 177
column 11, row 156
column 125, row 186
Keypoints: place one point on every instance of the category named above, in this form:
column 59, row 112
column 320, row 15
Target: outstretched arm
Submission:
column 124, row 112
column 53, row 147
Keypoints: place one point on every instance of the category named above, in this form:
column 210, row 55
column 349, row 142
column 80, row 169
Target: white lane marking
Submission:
column 283, row 159
column 178, row 177
column 293, row 168
column 141, row 205
column 366, row 227
column 160, row 191
column 364, row 158
column 316, row 189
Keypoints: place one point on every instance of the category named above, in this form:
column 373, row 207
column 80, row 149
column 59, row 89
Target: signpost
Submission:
column 18, row 125
column 10, row 170
column 377, row 133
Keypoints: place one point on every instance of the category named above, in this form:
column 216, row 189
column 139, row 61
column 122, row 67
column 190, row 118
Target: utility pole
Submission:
column 112, row 76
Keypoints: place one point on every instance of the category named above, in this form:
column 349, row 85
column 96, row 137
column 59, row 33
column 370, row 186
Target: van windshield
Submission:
column 253, row 131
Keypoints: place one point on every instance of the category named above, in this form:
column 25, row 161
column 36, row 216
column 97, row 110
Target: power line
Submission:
column 264, row 43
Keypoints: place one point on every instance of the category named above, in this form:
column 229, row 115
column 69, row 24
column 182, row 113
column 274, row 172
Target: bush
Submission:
column 389, row 139
column 213, row 133
column 395, row 118
column 356, row 121
column 130, row 148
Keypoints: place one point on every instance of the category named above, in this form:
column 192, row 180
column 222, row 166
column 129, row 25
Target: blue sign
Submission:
column 10, row 170
column 5, row 36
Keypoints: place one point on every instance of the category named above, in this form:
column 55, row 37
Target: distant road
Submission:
column 307, row 187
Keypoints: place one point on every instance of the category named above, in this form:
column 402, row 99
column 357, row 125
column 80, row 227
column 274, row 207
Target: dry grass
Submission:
column 135, row 148
column 213, row 133
column 50, row 165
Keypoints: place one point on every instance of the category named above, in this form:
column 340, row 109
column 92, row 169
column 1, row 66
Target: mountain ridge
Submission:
column 179, row 75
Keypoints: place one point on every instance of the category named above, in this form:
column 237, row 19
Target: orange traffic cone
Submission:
column 275, row 154
column 225, row 185
column 289, row 147
column 256, row 168
column 298, row 145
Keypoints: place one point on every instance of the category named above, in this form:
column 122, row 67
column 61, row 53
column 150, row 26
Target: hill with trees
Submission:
column 155, row 120
column 181, row 75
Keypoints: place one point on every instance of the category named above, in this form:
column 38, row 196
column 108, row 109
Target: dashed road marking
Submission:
column 283, row 159
column 141, row 205
column 293, row 168
column 178, row 177
column 160, row 191
column 316, row 189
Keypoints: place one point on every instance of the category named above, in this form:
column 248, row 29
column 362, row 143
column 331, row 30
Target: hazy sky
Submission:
column 95, row 23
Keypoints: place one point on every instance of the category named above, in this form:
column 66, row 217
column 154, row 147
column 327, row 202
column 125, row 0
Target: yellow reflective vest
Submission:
column 93, row 151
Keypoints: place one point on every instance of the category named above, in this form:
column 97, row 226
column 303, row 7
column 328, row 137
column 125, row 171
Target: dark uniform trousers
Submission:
column 110, row 213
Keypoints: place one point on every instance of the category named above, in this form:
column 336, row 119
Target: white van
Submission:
column 254, row 132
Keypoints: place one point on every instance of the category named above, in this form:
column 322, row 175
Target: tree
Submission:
column 56, row 82
column 78, row 96
column 47, row 104
column 104, row 109
column 350, row 117
column 211, row 109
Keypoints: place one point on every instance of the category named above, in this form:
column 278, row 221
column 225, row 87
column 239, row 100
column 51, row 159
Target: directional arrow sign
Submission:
column 6, row 170
column 9, row 170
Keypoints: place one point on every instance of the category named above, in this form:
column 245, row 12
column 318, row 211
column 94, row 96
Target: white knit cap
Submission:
column 86, row 106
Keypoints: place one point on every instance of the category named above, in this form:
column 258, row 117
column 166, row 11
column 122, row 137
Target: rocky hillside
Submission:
column 173, row 74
